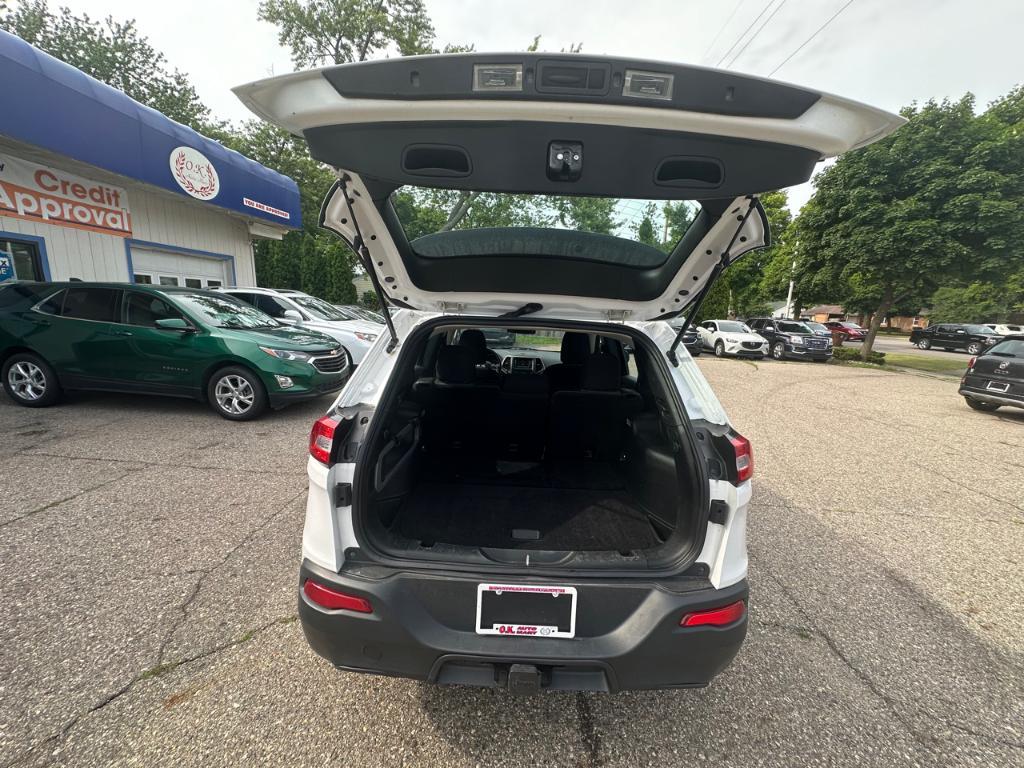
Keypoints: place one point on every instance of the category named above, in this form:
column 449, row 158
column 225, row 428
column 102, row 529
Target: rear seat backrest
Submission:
column 457, row 406
column 591, row 423
column 520, row 416
column 574, row 353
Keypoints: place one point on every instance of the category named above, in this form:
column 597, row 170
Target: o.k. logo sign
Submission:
column 194, row 173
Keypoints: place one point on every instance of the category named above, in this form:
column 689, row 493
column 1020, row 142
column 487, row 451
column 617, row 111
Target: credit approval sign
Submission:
column 38, row 193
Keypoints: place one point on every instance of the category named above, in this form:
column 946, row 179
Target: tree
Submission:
column 937, row 202
column 975, row 303
column 115, row 53
column 322, row 32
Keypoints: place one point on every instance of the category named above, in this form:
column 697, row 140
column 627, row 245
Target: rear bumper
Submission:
column 979, row 393
column 422, row 627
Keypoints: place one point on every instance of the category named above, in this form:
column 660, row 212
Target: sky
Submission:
column 887, row 53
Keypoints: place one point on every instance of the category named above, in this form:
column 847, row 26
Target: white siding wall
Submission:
column 156, row 217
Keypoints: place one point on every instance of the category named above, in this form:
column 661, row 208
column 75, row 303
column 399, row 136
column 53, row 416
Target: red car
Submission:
column 848, row 331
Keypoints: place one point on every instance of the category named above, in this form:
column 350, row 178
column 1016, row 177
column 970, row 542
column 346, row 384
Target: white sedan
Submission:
column 731, row 337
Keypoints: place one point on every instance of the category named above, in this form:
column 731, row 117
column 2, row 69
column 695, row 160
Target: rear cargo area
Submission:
column 572, row 455
column 517, row 505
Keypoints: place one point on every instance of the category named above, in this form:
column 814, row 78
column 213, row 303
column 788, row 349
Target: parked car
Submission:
column 847, row 331
column 995, row 377
column 1006, row 329
column 305, row 311
column 691, row 339
column 355, row 312
column 578, row 525
column 970, row 337
column 818, row 329
column 732, row 337
column 159, row 340
column 791, row 339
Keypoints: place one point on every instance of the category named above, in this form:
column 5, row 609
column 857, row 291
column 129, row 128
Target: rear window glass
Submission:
column 99, row 304
column 438, row 223
column 22, row 295
column 1012, row 348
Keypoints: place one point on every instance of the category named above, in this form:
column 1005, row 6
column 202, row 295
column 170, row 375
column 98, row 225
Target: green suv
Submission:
column 166, row 341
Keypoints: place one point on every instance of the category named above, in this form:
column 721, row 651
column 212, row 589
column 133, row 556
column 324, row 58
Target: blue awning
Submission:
column 52, row 105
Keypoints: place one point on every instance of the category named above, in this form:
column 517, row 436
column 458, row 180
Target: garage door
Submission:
column 154, row 267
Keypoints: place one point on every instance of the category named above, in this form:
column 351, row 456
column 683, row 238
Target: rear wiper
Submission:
column 526, row 309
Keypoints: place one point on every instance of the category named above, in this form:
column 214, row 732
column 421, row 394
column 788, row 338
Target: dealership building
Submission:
column 95, row 186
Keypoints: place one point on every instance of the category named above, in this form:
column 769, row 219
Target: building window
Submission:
column 20, row 260
column 193, row 282
column 168, row 280
column 213, row 283
column 143, row 279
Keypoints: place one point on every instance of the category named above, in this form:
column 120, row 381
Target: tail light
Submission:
column 716, row 617
column 744, row 457
column 321, row 439
column 971, row 362
column 333, row 600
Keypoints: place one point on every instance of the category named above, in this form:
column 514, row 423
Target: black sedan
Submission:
column 996, row 376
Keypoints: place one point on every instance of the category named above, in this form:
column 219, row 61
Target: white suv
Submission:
column 568, row 512
column 305, row 311
column 732, row 337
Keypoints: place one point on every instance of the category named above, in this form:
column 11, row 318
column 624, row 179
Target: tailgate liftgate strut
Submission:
column 712, row 279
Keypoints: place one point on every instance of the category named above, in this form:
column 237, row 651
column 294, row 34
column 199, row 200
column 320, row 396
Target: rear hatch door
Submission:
column 550, row 129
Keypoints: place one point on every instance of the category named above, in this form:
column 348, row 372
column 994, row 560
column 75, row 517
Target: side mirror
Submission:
column 173, row 324
column 291, row 316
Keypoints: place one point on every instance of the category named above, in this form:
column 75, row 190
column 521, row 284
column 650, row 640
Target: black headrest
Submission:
column 524, row 384
column 601, row 373
column 473, row 339
column 456, row 365
column 575, row 348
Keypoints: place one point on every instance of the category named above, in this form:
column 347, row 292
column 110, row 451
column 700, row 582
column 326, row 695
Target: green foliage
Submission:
column 115, row 53
column 936, row 203
column 644, row 230
column 975, row 303
column 369, row 300
column 322, row 32
column 844, row 354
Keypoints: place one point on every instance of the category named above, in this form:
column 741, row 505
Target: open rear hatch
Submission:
column 560, row 126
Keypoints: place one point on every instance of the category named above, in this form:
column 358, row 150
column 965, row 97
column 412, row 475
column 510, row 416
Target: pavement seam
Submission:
column 175, row 465
column 588, row 731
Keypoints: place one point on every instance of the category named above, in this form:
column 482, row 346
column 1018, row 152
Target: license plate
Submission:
column 522, row 610
column 998, row 386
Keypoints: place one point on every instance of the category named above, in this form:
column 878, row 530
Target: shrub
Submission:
column 843, row 354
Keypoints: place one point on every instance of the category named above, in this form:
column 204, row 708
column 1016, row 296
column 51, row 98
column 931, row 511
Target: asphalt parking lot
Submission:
column 148, row 575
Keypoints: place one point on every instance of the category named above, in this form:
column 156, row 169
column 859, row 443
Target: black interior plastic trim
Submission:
column 695, row 89
column 436, row 160
column 689, row 172
column 510, row 156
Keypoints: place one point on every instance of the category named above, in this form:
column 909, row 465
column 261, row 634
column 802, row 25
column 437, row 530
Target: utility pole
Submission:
column 792, row 278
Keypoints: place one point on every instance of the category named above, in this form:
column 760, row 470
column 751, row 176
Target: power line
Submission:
column 744, row 33
column 816, row 33
column 721, row 29
column 753, row 36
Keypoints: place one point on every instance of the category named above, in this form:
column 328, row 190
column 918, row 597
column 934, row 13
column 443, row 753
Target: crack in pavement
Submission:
column 891, row 703
column 73, row 496
column 54, row 742
column 588, row 731
column 205, row 573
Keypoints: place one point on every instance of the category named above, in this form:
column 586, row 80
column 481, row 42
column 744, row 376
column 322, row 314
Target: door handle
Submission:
column 121, row 333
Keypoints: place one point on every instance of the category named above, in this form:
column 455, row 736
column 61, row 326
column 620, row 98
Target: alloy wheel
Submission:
column 27, row 380
column 778, row 351
column 234, row 394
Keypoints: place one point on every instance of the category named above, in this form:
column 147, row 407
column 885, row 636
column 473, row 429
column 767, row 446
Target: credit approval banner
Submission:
column 38, row 193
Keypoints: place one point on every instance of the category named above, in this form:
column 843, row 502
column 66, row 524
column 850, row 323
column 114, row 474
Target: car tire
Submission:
column 974, row 348
column 237, row 394
column 719, row 349
column 924, row 344
column 778, row 350
column 30, row 381
column 980, row 406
